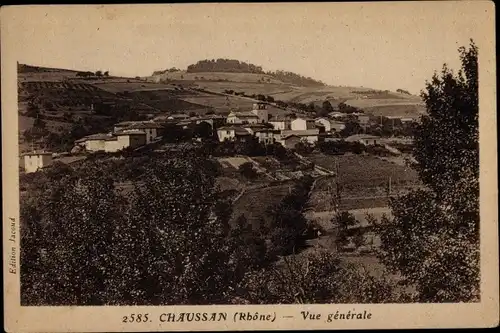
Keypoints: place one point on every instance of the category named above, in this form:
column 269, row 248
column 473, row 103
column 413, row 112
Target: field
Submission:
column 53, row 126
column 123, row 85
column 363, row 180
column 410, row 111
column 214, row 76
column 254, row 203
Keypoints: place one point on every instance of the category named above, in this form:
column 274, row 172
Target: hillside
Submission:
column 236, row 66
column 224, row 75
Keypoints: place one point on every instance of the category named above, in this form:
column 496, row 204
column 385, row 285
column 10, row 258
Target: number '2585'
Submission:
column 136, row 318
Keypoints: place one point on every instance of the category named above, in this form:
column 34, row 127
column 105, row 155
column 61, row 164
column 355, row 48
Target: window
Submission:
column 228, row 132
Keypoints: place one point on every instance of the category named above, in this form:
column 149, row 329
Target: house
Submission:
column 151, row 129
column 95, row 142
column 126, row 139
column 288, row 141
column 251, row 128
column 363, row 119
column 337, row 114
column 236, row 117
column 364, row 139
column 113, row 142
column 302, row 124
column 36, row 160
column 178, row 116
column 281, row 124
column 260, row 110
column 407, row 120
column 232, row 133
column 310, row 135
column 266, row 135
column 330, row 125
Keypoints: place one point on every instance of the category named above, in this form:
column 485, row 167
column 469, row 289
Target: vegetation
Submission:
column 433, row 239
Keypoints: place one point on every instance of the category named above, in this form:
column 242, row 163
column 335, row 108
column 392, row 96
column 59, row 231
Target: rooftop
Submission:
column 130, row 132
column 35, row 153
column 144, row 125
column 362, row 137
column 243, row 114
column 237, row 130
column 300, row 133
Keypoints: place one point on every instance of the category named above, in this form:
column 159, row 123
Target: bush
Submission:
column 247, row 170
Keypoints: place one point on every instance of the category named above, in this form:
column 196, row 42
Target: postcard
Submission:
column 249, row 166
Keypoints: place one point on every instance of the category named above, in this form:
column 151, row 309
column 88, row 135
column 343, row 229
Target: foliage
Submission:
column 85, row 244
column 224, row 65
column 247, row 170
column 352, row 127
column 316, row 277
column 433, row 239
column 288, row 224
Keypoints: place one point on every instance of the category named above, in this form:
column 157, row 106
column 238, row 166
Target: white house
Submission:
column 113, row 142
column 281, row 124
column 364, row 139
column 36, row 160
column 310, row 135
column 95, row 142
column 125, row 139
column 178, row 116
column 151, row 129
column 302, row 124
column 363, row 119
column 236, row 117
column 330, row 125
column 266, row 135
column 232, row 133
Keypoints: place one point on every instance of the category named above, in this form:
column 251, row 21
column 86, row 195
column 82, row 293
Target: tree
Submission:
column 166, row 242
column 106, row 73
column 202, row 130
column 352, row 127
column 98, row 73
column 326, row 109
column 318, row 277
column 247, row 170
column 433, row 239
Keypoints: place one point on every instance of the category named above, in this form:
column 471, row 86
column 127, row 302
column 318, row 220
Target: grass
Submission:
column 254, row 203
column 53, row 126
column 123, row 85
column 363, row 179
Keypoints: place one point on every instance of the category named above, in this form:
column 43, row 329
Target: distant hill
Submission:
column 23, row 68
column 236, row 66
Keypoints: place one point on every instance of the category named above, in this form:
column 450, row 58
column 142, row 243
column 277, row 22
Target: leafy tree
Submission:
column 106, row 73
column 318, row 277
column 352, row 127
column 247, row 170
column 326, row 108
column 203, row 130
column 98, row 73
column 169, row 243
column 433, row 239
column 304, row 147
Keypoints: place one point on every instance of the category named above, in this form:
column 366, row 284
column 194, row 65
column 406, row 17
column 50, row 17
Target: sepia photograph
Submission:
column 202, row 159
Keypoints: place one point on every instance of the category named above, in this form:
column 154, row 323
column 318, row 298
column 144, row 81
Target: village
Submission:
column 317, row 145
column 237, row 126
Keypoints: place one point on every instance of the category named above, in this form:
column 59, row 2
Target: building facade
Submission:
column 36, row 160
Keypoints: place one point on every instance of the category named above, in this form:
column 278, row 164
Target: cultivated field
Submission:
column 123, row 85
column 214, row 76
column 254, row 203
column 363, row 180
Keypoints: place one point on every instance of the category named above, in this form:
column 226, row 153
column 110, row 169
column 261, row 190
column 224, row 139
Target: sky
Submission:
column 377, row 45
